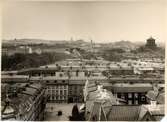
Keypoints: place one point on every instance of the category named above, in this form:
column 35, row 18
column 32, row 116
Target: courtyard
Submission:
column 52, row 109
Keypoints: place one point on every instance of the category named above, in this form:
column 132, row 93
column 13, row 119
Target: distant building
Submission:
column 38, row 51
column 151, row 43
column 29, row 50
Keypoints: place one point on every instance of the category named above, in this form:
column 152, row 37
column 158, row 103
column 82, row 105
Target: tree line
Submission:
column 19, row 60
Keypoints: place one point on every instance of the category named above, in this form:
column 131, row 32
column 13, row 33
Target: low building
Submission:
column 133, row 94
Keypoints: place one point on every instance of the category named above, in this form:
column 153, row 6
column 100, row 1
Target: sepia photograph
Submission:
column 83, row 60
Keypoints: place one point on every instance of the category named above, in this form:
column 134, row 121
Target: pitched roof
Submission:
column 157, row 112
column 123, row 113
column 23, row 99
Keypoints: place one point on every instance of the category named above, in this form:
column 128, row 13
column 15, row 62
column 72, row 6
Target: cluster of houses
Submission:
column 127, row 82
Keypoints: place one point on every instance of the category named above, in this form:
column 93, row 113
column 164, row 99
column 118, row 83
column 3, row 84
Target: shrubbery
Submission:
column 20, row 60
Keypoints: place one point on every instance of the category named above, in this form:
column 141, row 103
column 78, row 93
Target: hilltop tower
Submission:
column 151, row 43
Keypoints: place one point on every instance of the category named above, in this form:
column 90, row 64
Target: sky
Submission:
column 99, row 21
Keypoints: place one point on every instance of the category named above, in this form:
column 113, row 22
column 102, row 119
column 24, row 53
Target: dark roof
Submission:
column 123, row 113
column 71, row 82
column 131, row 88
column 14, row 78
column 151, row 38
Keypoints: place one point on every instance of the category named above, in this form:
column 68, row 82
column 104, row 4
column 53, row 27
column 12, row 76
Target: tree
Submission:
column 75, row 114
column 59, row 113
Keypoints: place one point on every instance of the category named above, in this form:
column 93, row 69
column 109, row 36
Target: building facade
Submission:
column 151, row 43
column 57, row 90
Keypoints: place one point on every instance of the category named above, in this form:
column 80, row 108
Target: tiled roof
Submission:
column 127, row 112
column 157, row 112
column 95, row 114
column 123, row 113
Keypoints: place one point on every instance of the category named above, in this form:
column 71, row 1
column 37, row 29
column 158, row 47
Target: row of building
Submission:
column 65, row 80
column 23, row 101
column 63, row 89
column 124, row 68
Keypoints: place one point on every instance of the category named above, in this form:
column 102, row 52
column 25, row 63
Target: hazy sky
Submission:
column 100, row 21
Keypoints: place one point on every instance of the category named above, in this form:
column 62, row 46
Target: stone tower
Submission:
column 151, row 43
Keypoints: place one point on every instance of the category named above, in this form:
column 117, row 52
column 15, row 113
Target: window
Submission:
column 77, row 72
column 47, row 81
column 143, row 98
column 130, row 102
column 52, row 74
column 61, row 75
column 49, row 91
column 65, row 92
column 70, row 91
column 136, row 95
column 123, row 97
column 119, row 95
column 136, row 102
column 130, row 95
column 55, row 81
column 61, row 92
column 63, row 81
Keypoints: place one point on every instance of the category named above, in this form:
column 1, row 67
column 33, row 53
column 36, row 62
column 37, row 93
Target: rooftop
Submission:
column 18, row 97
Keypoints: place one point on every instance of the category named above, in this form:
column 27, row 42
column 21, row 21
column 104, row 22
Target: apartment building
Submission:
column 23, row 102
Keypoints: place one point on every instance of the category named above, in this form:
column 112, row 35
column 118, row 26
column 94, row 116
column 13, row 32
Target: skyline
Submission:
column 99, row 21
